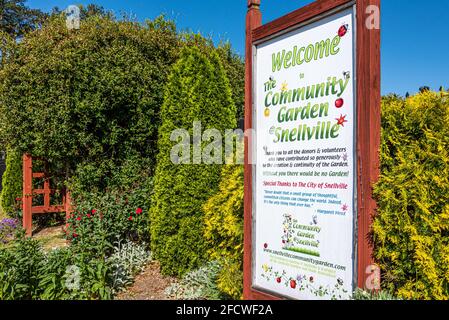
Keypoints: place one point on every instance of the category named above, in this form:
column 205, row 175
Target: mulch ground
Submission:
column 149, row 285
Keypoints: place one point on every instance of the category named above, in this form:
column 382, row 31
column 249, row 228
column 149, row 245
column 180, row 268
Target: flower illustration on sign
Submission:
column 304, row 283
column 341, row 121
column 284, row 86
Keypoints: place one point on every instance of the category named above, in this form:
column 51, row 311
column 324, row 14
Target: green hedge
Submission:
column 198, row 90
column 411, row 229
column 11, row 183
column 87, row 100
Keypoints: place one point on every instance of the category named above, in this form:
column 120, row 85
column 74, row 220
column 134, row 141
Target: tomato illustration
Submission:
column 293, row 284
column 339, row 103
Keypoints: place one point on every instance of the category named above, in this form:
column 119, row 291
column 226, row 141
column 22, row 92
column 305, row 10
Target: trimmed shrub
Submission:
column 233, row 64
column 198, row 90
column 12, row 184
column 224, row 230
column 411, row 229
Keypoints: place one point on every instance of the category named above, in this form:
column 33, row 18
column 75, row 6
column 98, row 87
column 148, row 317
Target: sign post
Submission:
column 313, row 100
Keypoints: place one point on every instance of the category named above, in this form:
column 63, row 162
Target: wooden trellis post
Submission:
column 46, row 191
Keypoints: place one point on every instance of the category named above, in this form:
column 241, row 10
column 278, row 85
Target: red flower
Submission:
column 94, row 211
column 78, row 219
column 279, row 279
column 75, row 235
column 18, row 199
column 88, row 215
column 130, row 218
column 138, row 211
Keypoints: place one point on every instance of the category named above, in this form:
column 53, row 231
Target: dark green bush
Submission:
column 87, row 99
column 198, row 90
column 411, row 228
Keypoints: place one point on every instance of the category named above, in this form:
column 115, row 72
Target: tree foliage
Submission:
column 16, row 18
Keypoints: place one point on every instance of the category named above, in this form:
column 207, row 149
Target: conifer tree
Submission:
column 197, row 90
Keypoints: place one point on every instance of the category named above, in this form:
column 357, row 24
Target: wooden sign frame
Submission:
column 367, row 130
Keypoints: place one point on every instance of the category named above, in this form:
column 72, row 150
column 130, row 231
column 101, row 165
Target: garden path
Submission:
column 149, row 285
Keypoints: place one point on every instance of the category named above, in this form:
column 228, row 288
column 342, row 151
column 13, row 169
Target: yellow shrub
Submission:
column 224, row 229
column 410, row 233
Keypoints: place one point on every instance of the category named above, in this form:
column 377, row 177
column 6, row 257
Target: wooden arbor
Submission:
column 29, row 193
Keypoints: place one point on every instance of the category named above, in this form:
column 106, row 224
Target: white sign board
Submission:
column 304, row 201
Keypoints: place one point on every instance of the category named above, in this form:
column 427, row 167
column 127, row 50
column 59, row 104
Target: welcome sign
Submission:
column 306, row 111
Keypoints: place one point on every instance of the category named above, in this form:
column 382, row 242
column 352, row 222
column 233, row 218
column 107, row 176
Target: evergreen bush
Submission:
column 12, row 184
column 197, row 90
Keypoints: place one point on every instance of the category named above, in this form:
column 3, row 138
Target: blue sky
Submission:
column 415, row 33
